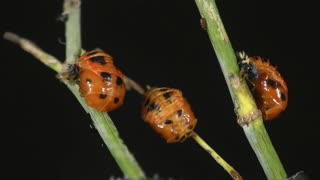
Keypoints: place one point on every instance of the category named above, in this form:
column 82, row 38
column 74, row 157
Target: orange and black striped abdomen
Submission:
column 168, row 113
column 101, row 83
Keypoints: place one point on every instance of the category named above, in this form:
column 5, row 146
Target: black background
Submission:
column 47, row 134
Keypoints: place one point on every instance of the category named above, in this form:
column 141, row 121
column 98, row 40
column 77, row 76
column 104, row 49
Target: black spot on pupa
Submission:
column 92, row 53
column 283, row 97
column 88, row 81
column 98, row 59
column 152, row 107
column 254, row 74
column 179, row 112
column 272, row 83
column 168, row 121
column 190, row 126
column 256, row 58
column 102, row 96
column 106, row 76
column 183, row 138
column 167, row 95
column 116, row 100
column 189, row 133
column 119, row 81
column 250, row 71
column 177, row 137
column 73, row 72
column 147, row 102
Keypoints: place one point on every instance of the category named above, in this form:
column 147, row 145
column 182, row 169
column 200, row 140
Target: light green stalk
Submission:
column 248, row 114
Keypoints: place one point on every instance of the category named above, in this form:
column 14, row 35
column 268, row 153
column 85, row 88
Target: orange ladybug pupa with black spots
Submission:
column 168, row 113
column 100, row 82
column 269, row 88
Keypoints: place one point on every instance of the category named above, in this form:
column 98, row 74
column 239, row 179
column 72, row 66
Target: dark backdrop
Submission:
column 47, row 135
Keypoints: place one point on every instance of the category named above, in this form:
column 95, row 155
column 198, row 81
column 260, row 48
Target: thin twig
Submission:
column 33, row 49
column 233, row 173
column 102, row 121
column 131, row 84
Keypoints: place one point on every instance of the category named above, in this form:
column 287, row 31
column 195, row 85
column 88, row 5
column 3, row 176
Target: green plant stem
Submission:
column 109, row 134
column 102, row 121
column 72, row 12
column 245, row 106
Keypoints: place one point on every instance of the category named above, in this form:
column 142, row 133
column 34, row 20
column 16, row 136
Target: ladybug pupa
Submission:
column 101, row 84
column 168, row 113
column 268, row 87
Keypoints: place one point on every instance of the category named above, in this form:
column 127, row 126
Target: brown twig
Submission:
column 131, row 84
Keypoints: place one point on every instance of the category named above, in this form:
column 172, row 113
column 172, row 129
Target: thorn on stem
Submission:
column 67, row 6
column 203, row 23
